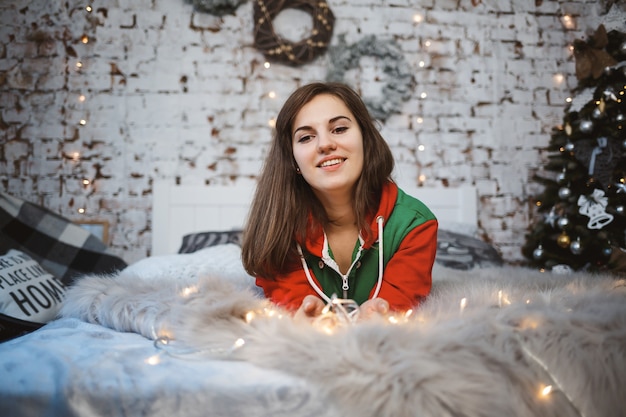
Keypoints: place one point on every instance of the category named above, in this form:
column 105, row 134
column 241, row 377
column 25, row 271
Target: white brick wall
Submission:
column 171, row 93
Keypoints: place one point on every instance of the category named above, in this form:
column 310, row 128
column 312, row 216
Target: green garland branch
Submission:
column 217, row 7
column 400, row 82
column 275, row 48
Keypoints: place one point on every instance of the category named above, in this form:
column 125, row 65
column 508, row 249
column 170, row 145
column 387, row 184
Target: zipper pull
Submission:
column 345, row 286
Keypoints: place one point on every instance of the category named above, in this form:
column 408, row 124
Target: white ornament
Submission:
column 594, row 207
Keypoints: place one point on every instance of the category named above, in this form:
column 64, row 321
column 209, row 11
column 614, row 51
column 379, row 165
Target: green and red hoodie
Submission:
column 403, row 278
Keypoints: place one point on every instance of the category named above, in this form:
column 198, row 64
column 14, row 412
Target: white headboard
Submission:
column 182, row 209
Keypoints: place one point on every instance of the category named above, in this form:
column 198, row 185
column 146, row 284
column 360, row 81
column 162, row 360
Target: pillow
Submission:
column 29, row 295
column 459, row 251
column 196, row 241
column 63, row 248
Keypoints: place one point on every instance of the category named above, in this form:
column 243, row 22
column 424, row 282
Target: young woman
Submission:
column 327, row 219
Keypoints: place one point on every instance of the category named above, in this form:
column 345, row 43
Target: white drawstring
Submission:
column 317, row 289
column 379, row 220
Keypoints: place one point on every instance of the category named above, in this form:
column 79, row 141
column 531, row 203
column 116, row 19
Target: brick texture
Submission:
column 159, row 91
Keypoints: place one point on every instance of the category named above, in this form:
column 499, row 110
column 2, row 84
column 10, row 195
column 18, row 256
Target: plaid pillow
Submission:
column 61, row 247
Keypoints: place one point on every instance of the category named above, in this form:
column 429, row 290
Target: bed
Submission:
column 185, row 332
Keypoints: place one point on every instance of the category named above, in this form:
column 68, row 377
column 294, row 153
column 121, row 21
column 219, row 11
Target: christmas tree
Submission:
column 580, row 213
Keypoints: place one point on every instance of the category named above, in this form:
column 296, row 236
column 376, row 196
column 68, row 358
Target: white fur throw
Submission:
column 525, row 343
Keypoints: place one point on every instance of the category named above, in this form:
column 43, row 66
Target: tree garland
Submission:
column 217, row 7
column 275, row 48
column 400, row 81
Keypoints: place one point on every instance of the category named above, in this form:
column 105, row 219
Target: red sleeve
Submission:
column 288, row 290
column 407, row 279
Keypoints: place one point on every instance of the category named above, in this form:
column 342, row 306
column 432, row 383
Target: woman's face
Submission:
column 328, row 145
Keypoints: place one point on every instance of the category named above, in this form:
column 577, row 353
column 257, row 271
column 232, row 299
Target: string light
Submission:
column 421, row 148
column 422, row 64
column 423, row 95
column 418, row 18
column 88, row 8
column 419, row 120
column 271, row 122
column 267, row 65
column 84, row 39
column 81, row 210
column 82, row 98
column 82, row 122
column 568, row 22
column 272, row 94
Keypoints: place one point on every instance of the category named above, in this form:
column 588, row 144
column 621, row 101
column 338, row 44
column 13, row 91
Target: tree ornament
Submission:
column 217, row 7
column 594, row 207
column 597, row 113
column 591, row 58
column 586, row 126
column 607, row 251
column 564, row 193
column 569, row 147
column 551, row 217
column 563, row 222
column 624, row 144
column 619, row 210
column 599, row 158
column 563, row 240
column 576, row 247
column 538, row 253
column 275, row 48
column 399, row 84
column 562, row 176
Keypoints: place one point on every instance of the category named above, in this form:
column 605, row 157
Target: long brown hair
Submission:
column 283, row 200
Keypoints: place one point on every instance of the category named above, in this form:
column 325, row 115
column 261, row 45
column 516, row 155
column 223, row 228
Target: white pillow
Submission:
column 27, row 291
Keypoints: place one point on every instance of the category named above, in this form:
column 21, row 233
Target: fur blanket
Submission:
column 488, row 342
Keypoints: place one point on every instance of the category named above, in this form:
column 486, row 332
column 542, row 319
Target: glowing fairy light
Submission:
column 420, row 120
column 84, row 39
column 267, row 65
column 86, row 182
column 82, row 98
column 239, row 343
column 568, row 22
column 272, row 94
column 421, row 148
column 79, row 65
column 423, row 95
column 89, row 9
column 153, row 360
column 82, row 122
column 427, row 43
column 422, row 64
column 568, row 100
column 250, row 315
column 271, row 122
column 418, row 18
column 421, row 178
column 81, row 210
column 187, row 291
column 558, row 79
column 462, row 305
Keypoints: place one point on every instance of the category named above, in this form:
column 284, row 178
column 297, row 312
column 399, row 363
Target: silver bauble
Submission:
column 576, row 247
column 596, row 113
column 569, row 147
column 586, row 126
column 607, row 251
column 561, row 177
column 562, row 222
column 619, row 117
column 619, row 210
column 564, row 193
column 538, row 253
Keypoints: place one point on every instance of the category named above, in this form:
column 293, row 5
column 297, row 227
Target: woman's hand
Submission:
column 310, row 308
column 376, row 307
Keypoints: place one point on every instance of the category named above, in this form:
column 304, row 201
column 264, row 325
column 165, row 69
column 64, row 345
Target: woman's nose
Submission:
column 326, row 143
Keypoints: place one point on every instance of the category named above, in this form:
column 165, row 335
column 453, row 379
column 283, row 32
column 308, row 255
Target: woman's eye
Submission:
column 304, row 138
column 340, row 129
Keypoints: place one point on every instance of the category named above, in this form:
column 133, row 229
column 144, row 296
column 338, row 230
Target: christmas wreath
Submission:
column 400, row 82
column 275, row 48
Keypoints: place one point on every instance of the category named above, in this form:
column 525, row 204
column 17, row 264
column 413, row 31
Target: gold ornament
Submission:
column 563, row 240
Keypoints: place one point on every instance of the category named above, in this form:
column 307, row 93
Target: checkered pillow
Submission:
column 61, row 247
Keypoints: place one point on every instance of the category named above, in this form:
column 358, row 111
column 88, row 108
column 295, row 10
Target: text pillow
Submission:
column 27, row 291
